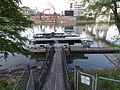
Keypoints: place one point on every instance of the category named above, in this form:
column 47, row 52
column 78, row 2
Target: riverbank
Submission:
column 61, row 19
column 64, row 19
column 8, row 79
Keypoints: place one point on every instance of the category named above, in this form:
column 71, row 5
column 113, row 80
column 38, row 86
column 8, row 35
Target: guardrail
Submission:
column 64, row 62
column 46, row 66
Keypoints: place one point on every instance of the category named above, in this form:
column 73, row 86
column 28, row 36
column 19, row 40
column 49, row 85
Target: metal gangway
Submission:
column 53, row 73
column 56, row 77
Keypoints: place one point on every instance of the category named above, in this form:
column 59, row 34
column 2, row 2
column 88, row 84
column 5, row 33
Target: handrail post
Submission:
column 19, row 80
column 65, row 70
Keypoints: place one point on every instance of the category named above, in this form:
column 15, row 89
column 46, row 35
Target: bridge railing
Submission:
column 46, row 67
column 65, row 73
column 22, row 81
column 30, row 84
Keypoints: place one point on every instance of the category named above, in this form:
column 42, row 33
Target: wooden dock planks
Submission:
column 78, row 49
column 95, row 50
column 55, row 80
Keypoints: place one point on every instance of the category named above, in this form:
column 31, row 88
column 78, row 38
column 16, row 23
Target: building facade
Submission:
column 76, row 7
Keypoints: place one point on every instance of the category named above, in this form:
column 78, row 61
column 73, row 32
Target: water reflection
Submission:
column 103, row 31
column 92, row 61
column 20, row 62
column 87, row 31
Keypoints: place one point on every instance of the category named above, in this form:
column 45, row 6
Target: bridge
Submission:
column 56, row 80
column 54, row 72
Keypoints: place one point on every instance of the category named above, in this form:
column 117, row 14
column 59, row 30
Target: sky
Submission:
column 59, row 5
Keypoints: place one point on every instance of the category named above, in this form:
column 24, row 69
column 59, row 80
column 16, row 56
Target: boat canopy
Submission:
column 68, row 30
column 49, row 35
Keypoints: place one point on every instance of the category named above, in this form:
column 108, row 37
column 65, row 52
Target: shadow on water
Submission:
column 75, row 56
column 21, row 62
column 91, row 61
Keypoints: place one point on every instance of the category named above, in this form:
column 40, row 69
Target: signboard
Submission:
column 85, row 80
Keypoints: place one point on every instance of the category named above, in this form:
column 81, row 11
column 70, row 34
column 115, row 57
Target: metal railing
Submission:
column 30, row 84
column 46, row 67
column 26, row 80
column 22, row 81
column 84, row 81
column 65, row 73
column 103, row 83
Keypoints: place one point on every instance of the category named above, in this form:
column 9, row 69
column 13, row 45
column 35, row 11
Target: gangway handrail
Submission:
column 46, row 67
column 19, row 80
column 30, row 84
column 65, row 73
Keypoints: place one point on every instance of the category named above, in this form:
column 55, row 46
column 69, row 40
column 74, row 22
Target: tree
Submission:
column 12, row 22
column 113, row 5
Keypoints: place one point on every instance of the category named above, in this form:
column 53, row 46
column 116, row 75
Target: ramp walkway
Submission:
column 55, row 80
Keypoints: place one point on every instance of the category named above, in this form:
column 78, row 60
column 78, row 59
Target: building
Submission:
column 27, row 11
column 76, row 7
column 79, row 8
column 69, row 13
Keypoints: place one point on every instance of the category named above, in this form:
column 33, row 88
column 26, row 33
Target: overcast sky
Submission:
column 59, row 5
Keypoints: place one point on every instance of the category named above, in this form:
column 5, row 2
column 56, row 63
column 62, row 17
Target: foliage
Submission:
column 108, row 73
column 105, row 84
column 12, row 22
column 71, row 78
column 4, row 85
column 83, row 24
column 84, row 18
column 97, row 6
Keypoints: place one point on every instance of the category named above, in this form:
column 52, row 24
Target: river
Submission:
column 100, row 34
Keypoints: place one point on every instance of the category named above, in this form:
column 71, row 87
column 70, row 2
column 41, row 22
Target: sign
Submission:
column 85, row 80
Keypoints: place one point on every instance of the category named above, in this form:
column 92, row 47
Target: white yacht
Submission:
column 43, row 40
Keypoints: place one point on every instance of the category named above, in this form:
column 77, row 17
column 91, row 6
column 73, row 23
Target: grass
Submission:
column 4, row 85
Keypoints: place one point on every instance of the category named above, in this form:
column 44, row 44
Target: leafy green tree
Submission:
column 113, row 5
column 12, row 22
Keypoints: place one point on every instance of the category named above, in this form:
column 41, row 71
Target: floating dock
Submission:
column 78, row 49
